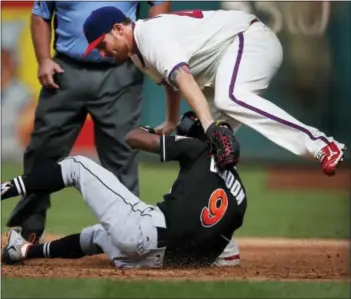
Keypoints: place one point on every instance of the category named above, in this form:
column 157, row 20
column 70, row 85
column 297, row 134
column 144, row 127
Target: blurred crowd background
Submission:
column 314, row 83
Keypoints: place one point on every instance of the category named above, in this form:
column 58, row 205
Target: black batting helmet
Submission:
column 190, row 126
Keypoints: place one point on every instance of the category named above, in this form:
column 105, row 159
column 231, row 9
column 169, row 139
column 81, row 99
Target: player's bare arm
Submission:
column 159, row 9
column 144, row 138
column 182, row 78
column 172, row 113
column 173, row 104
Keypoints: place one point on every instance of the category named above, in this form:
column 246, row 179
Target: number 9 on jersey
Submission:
column 217, row 206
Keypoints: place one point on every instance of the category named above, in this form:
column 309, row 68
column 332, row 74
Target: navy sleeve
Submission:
column 152, row 3
column 178, row 148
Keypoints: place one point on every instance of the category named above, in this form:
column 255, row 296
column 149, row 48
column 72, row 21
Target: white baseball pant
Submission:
column 127, row 226
column 243, row 73
column 127, row 230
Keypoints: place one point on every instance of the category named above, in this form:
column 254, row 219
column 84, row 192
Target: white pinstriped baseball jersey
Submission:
column 197, row 38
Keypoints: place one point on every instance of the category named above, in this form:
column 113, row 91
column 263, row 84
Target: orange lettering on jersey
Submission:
column 217, row 206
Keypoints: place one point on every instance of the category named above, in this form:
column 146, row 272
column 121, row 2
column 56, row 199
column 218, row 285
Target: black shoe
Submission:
column 32, row 228
column 26, row 208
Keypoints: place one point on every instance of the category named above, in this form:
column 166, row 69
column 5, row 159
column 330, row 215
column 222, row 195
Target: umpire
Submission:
column 72, row 88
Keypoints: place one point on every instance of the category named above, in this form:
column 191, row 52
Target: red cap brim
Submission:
column 93, row 45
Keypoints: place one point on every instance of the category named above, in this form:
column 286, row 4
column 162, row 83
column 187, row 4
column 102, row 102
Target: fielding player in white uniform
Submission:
column 220, row 62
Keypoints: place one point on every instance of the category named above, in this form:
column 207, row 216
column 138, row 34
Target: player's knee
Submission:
column 221, row 104
column 127, row 240
column 90, row 239
column 73, row 167
column 228, row 102
column 84, row 162
column 81, row 159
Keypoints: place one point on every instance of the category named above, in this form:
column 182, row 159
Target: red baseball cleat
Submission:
column 230, row 256
column 330, row 156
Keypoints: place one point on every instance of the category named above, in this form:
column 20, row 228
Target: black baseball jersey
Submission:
column 204, row 206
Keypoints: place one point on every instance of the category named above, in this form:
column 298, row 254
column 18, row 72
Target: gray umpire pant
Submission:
column 112, row 96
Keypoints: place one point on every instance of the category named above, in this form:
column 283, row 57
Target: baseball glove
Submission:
column 223, row 145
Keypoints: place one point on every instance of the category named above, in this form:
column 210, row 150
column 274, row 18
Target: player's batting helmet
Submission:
column 190, row 126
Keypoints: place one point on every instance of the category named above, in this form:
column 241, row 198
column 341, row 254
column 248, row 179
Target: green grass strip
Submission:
column 104, row 288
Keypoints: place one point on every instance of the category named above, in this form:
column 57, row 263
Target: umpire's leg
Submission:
column 116, row 110
column 58, row 119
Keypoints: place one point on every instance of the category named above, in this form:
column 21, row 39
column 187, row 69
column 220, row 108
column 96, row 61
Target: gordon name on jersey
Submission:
column 197, row 38
column 232, row 183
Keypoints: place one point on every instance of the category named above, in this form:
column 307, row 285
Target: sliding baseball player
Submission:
column 192, row 226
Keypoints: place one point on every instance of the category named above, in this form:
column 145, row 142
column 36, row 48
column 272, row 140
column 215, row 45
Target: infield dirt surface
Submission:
column 262, row 259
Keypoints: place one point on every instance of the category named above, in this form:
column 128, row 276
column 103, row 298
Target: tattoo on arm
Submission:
column 175, row 72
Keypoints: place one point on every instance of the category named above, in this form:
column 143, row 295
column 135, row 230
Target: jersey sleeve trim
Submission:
column 43, row 9
column 153, row 3
column 163, row 148
column 177, row 66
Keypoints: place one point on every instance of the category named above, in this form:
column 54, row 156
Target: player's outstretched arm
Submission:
column 224, row 145
column 172, row 113
column 182, row 78
column 144, row 138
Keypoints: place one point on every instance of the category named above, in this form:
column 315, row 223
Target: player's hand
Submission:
column 46, row 71
column 166, row 128
column 223, row 145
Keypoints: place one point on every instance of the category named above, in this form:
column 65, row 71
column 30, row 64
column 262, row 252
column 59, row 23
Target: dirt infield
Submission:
column 285, row 178
column 262, row 259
